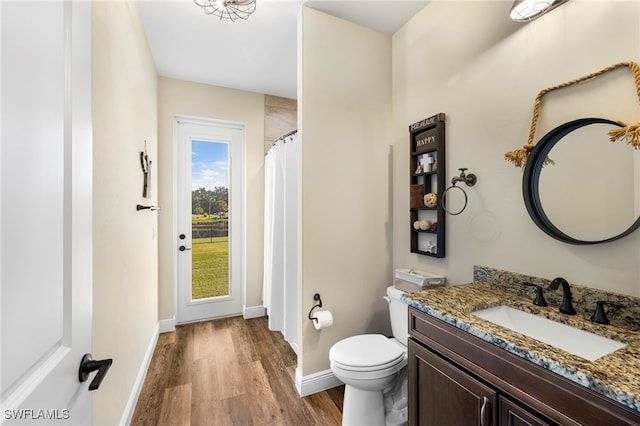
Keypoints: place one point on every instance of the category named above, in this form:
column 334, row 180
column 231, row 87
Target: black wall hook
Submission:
column 151, row 208
column 316, row 297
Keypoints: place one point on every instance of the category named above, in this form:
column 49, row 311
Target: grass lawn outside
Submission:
column 210, row 267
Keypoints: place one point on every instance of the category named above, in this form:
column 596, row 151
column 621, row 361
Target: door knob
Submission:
column 183, row 248
column 87, row 365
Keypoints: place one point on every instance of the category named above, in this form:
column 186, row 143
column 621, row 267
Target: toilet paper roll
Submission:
column 323, row 319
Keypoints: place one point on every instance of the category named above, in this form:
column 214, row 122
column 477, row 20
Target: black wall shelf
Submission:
column 427, row 174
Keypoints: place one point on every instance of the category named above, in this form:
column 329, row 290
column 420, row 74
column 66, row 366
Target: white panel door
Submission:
column 210, row 223
column 46, row 181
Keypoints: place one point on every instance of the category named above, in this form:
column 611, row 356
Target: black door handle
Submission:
column 183, row 248
column 87, row 365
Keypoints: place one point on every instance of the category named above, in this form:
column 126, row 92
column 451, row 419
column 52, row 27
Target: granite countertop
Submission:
column 616, row 376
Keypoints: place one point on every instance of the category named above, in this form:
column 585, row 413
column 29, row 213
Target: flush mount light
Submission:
column 228, row 9
column 528, row 10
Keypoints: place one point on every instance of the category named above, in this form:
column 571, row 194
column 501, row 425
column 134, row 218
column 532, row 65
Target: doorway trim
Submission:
column 188, row 119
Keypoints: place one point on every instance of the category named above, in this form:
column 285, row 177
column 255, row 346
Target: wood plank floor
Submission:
column 230, row 371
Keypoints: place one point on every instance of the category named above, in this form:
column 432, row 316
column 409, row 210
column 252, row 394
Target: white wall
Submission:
column 125, row 249
column 177, row 97
column 468, row 60
column 344, row 104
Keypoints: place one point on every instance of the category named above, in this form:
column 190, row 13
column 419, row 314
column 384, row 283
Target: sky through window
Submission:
column 209, row 164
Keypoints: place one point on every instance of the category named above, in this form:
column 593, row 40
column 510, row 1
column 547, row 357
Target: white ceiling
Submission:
column 257, row 55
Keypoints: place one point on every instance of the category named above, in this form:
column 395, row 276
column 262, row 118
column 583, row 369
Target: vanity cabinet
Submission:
column 427, row 175
column 457, row 378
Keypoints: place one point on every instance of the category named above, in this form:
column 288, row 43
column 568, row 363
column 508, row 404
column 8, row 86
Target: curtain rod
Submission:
column 281, row 138
column 293, row 132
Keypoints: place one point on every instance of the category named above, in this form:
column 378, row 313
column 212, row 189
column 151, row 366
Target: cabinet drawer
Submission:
column 512, row 414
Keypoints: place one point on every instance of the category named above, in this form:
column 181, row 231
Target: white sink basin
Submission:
column 578, row 342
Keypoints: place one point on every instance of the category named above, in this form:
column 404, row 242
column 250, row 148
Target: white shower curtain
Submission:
column 279, row 289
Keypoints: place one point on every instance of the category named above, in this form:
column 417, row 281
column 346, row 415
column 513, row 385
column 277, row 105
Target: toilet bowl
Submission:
column 373, row 369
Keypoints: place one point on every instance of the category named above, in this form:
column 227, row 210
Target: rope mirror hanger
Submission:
column 629, row 133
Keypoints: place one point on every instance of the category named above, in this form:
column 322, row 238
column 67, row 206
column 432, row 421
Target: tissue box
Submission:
column 411, row 280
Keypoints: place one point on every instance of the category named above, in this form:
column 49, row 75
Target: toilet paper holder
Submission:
column 316, row 297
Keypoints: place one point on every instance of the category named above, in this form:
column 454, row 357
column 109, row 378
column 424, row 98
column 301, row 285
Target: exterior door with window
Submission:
column 46, row 180
column 209, row 219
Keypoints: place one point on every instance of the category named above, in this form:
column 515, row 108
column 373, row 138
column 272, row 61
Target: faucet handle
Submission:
column 599, row 316
column 539, row 300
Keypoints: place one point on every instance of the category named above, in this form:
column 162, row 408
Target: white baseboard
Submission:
column 316, row 382
column 249, row 312
column 142, row 373
column 294, row 346
column 167, row 325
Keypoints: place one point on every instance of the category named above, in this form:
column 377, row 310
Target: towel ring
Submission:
column 444, row 197
column 469, row 179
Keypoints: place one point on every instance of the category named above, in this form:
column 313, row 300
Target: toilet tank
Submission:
column 398, row 312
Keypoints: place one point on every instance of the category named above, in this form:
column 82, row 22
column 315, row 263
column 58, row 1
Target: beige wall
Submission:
column 358, row 92
column 178, row 97
column 125, row 249
column 344, row 102
column 468, row 60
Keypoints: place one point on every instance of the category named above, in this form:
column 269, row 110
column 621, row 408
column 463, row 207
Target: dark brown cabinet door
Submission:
column 512, row 414
column 442, row 394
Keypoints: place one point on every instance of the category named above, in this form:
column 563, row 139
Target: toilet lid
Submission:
column 366, row 351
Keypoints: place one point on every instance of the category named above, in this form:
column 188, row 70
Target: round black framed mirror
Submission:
column 531, row 184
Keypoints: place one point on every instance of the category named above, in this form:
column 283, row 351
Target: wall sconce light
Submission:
column 528, row 10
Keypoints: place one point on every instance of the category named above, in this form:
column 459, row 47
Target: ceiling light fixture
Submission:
column 228, row 9
column 528, row 10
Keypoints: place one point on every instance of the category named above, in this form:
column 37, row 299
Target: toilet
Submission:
column 374, row 370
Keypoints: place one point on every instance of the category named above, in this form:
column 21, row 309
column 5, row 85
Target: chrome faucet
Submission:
column 567, row 305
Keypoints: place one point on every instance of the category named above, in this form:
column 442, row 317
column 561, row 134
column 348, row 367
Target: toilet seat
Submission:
column 367, row 353
column 363, row 375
